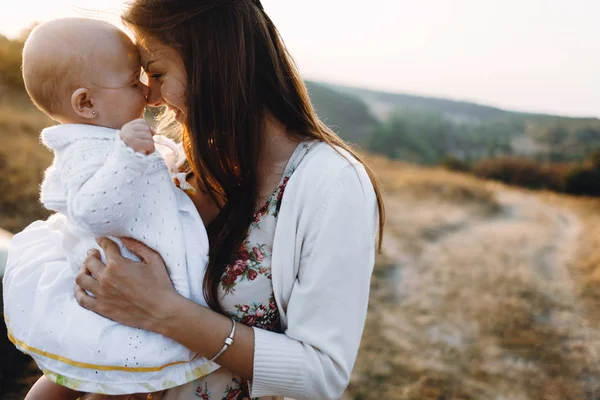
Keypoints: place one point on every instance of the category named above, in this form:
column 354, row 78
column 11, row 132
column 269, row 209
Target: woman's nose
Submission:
column 153, row 96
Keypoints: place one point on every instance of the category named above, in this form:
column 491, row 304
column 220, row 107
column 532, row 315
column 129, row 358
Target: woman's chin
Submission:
column 179, row 116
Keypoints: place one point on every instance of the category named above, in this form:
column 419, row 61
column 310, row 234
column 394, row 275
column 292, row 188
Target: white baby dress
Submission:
column 100, row 187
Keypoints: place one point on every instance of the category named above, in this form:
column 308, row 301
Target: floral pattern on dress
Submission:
column 237, row 391
column 247, row 266
column 271, row 207
column 202, row 392
column 258, row 314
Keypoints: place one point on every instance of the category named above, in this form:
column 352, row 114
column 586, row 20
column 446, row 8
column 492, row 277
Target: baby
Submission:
column 106, row 180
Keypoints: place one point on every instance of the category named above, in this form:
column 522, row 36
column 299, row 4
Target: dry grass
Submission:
column 433, row 184
column 19, row 116
column 22, row 162
column 586, row 268
column 442, row 202
column 459, row 308
column 467, row 312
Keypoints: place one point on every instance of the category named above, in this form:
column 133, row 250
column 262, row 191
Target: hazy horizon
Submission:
column 527, row 55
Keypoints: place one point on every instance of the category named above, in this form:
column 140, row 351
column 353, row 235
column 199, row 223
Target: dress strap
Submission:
column 297, row 156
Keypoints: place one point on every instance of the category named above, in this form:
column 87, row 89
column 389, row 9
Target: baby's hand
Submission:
column 138, row 135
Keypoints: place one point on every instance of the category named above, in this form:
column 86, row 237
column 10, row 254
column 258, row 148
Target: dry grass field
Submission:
column 482, row 291
column 22, row 161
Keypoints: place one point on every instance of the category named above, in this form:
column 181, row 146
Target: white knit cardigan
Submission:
column 323, row 257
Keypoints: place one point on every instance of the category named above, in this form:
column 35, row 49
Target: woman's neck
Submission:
column 275, row 152
column 277, row 143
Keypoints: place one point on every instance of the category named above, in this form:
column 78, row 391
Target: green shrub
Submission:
column 521, row 172
column 594, row 159
column 455, row 164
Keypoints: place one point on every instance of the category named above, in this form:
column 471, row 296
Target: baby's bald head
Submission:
column 63, row 55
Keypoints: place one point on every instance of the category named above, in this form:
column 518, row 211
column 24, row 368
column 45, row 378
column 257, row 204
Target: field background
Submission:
column 487, row 287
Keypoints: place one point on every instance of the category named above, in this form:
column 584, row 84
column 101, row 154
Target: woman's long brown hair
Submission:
column 237, row 68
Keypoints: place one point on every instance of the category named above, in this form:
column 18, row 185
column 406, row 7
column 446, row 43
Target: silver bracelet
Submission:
column 228, row 342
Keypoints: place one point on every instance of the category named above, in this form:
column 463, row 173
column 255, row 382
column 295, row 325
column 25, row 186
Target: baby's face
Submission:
column 119, row 96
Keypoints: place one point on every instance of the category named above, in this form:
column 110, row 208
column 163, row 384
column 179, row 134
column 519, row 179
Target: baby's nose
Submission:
column 145, row 91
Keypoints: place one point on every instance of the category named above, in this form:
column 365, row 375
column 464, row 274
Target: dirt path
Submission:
column 484, row 306
column 525, row 231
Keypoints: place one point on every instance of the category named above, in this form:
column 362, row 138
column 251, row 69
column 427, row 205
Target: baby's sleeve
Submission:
column 107, row 200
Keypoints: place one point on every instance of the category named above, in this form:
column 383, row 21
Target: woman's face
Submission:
column 167, row 78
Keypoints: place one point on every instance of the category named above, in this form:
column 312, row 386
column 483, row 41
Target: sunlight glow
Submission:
column 535, row 55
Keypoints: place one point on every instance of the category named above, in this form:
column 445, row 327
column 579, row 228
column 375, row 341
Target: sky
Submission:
column 527, row 55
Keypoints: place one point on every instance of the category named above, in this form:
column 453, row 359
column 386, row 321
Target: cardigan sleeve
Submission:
column 327, row 309
column 104, row 200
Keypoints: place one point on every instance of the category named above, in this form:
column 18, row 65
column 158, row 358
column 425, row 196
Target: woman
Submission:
column 292, row 213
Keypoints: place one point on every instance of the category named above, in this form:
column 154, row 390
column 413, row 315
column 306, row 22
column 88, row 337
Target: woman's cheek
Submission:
column 173, row 91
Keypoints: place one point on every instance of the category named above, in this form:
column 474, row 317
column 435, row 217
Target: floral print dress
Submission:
column 246, row 293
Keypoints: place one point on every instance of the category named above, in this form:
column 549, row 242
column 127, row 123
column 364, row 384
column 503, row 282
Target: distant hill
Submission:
column 384, row 102
column 426, row 129
column 416, row 128
column 346, row 114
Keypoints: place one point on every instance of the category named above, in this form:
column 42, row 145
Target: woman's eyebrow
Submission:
column 148, row 64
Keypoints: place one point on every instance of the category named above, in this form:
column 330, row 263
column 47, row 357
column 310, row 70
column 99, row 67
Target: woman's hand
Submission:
column 140, row 294
column 131, row 293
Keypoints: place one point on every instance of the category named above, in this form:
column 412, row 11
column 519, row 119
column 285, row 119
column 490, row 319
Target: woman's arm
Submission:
column 141, row 295
column 327, row 306
column 326, row 311
column 185, row 322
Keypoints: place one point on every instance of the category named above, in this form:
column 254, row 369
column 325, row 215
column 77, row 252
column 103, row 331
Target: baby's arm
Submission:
column 45, row 389
column 109, row 201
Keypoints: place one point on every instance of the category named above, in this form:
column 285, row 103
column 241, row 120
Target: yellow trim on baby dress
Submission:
column 78, row 364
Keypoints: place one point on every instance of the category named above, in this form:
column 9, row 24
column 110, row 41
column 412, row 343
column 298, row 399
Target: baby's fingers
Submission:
column 143, row 131
column 146, row 146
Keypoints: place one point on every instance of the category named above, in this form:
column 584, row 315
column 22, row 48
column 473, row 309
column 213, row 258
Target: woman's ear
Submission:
column 82, row 104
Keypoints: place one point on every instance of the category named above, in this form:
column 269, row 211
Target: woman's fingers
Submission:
column 87, row 282
column 84, row 299
column 94, row 253
column 93, row 264
column 145, row 253
column 118, row 290
column 111, row 249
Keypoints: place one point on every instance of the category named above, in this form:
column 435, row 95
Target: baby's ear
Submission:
column 82, row 104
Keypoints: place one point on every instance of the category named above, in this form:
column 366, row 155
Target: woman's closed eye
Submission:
column 147, row 76
column 155, row 76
